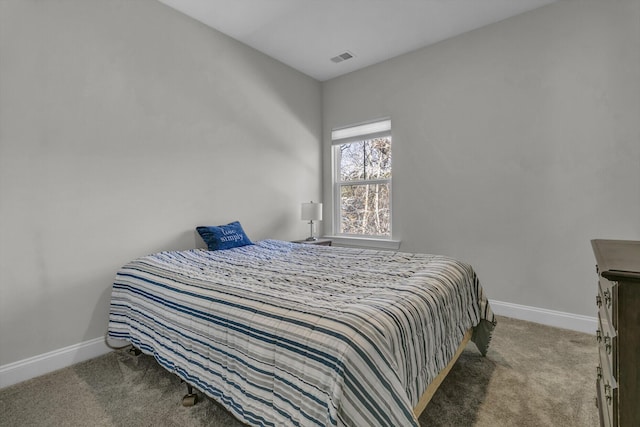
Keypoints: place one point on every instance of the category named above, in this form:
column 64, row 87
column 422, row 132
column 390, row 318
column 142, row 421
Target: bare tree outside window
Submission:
column 365, row 187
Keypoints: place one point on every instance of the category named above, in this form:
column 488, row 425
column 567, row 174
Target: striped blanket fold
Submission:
column 284, row 334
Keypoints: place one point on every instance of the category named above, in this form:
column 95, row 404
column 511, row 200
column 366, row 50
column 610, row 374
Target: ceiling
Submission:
column 306, row 34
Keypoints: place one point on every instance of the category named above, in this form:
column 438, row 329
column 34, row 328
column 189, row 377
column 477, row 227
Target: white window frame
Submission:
column 380, row 128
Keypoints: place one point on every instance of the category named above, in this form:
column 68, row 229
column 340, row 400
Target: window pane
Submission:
column 352, row 161
column 378, row 158
column 365, row 209
column 370, row 159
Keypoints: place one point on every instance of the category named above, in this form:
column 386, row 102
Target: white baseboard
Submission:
column 32, row 367
column 558, row 319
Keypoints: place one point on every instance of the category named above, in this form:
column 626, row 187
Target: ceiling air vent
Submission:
column 342, row 57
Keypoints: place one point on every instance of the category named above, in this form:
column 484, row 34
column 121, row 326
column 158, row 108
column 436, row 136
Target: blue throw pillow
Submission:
column 224, row 236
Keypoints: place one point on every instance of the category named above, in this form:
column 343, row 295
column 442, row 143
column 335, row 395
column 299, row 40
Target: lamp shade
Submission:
column 311, row 211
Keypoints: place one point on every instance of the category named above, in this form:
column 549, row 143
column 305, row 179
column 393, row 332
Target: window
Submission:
column 362, row 179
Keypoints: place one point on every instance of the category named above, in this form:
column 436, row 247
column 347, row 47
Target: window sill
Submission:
column 365, row 242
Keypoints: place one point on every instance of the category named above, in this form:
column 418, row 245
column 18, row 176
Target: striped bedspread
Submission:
column 287, row 334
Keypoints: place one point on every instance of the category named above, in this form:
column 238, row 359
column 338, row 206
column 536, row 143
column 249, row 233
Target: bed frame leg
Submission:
column 190, row 399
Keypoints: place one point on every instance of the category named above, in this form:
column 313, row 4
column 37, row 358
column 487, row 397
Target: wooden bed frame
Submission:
column 431, row 389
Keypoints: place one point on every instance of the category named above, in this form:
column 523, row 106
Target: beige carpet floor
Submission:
column 533, row 375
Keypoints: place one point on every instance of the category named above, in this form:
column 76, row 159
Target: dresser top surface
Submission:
column 618, row 257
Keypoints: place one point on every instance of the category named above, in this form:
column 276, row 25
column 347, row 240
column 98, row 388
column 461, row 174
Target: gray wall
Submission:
column 514, row 145
column 123, row 125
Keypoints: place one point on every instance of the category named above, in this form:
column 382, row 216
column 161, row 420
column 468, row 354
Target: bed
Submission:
column 282, row 333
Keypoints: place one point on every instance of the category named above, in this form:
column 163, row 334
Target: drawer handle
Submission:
column 598, row 336
column 607, row 297
column 607, row 343
column 607, row 393
column 598, row 301
column 599, row 372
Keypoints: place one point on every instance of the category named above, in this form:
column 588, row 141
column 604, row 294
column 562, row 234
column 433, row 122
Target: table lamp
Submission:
column 311, row 212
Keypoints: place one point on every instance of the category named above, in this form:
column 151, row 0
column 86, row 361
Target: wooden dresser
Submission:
column 618, row 334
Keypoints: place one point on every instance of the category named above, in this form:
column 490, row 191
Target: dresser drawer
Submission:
column 605, row 323
column 607, row 390
column 606, row 349
column 604, row 408
column 605, row 294
column 604, row 369
column 606, row 300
